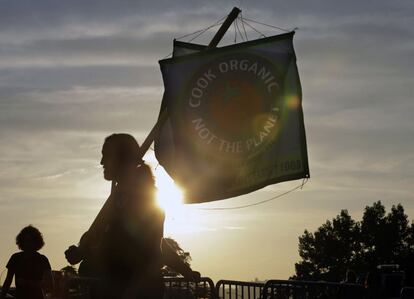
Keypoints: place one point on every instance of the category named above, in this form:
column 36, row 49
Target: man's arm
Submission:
column 75, row 254
column 7, row 283
column 101, row 218
column 171, row 259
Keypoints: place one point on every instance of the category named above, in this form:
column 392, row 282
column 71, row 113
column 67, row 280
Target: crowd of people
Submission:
column 124, row 247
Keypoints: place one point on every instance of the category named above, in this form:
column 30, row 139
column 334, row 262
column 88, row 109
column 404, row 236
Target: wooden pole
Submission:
column 224, row 27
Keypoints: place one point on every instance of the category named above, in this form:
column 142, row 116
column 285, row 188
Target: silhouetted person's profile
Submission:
column 32, row 271
column 124, row 247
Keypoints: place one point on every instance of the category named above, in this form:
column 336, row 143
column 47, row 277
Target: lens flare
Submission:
column 293, row 102
column 169, row 196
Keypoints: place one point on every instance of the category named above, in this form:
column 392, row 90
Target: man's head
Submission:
column 118, row 152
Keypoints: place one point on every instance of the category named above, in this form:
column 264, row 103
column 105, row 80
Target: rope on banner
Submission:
column 200, row 32
column 300, row 186
column 244, row 21
column 238, row 29
column 244, row 28
column 264, row 24
column 251, row 27
column 235, row 32
column 205, row 31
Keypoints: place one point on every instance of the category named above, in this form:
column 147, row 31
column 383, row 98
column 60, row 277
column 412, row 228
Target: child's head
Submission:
column 30, row 239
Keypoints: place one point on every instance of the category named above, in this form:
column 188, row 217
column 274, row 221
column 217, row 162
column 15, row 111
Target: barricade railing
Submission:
column 293, row 289
column 233, row 289
column 178, row 287
column 407, row 293
column 175, row 288
column 78, row 287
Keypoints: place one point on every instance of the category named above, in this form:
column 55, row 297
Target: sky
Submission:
column 73, row 72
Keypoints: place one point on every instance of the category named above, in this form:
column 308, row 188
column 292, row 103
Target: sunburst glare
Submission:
column 180, row 218
column 169, row 196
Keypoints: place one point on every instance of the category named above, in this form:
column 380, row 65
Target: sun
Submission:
column 169, row 196
column 180, row 218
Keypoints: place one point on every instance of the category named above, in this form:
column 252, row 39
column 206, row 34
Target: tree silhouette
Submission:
column 344, row 243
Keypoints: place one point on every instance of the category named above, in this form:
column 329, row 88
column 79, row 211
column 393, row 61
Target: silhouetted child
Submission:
column 31, row 269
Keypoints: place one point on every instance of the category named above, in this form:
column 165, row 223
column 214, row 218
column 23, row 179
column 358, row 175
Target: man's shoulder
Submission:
column 144, row 171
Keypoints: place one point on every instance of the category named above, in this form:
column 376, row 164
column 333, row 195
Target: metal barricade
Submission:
column 233, row 289
column 175, row 288
column 77, row 287
column 407, row 293
column 293, row 289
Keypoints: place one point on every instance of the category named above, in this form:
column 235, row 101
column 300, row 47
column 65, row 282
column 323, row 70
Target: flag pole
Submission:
column 99, row 219
column 224, row 27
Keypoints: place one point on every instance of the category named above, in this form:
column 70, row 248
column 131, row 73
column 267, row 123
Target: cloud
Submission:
column 99, row 109
column 234, row 227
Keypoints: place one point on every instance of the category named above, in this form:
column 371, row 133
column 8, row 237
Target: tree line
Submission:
column 343, row 243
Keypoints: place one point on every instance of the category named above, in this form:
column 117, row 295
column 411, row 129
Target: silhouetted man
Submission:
column 123, row 245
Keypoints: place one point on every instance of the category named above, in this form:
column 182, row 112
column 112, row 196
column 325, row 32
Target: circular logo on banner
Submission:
column 232, row 106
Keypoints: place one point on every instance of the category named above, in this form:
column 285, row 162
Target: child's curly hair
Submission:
column 30, row 238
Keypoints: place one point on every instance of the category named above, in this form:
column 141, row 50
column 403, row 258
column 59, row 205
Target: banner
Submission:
column 235, row 118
